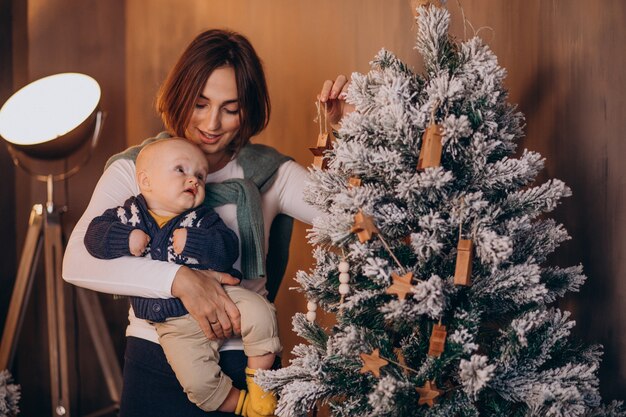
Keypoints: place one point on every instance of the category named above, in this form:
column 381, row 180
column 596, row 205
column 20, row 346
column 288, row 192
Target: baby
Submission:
column 168, row 222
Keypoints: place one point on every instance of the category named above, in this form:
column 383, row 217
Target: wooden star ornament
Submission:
column 364, row 227
column 428, row 393
column 354, row 182
column 401, row 285
column 372, row 363
column 324, row 143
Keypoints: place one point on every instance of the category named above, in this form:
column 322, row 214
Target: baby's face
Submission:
column 177, row 176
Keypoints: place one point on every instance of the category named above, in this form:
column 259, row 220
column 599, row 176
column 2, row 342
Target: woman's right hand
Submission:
column 334, row 94
column 202, row 294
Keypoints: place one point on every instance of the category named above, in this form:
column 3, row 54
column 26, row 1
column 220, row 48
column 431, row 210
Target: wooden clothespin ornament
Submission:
column 437, row 340
column 364, row 227
column 430, row 153
column 324, row 141
column 464, row 258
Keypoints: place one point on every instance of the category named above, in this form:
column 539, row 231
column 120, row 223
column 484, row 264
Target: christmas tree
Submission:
column 431, row 253
column 9, row 395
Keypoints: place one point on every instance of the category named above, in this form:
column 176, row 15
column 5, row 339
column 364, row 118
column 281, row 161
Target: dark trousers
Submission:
column 152, row 390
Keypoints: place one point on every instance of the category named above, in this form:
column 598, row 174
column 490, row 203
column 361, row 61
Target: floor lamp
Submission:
column 49, row 120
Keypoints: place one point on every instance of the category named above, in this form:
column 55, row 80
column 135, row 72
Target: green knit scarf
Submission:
column 260, row 164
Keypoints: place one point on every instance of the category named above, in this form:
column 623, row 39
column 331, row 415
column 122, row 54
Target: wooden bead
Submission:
column 311, row 306
column 344, row 266
column 344, row 277
column 464, row 257
column 344, row 289
column 430, row 154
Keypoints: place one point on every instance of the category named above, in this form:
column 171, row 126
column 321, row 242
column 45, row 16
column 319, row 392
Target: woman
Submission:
column 216, row 97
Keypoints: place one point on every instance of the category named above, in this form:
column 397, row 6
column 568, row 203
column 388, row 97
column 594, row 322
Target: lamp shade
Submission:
column 51, row 117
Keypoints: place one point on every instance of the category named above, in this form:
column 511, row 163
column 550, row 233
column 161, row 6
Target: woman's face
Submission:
column 215, row 119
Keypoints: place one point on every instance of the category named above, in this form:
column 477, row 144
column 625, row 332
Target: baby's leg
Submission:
column 195, row 361
column 259, row 331
column 259, row 328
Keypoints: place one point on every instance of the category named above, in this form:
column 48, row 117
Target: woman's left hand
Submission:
column 203, row 296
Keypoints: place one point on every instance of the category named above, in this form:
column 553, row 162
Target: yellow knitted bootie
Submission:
column 261, row 402
column 240, row 410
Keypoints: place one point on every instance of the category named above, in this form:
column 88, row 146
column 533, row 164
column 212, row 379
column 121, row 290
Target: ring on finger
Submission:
column 214, row 322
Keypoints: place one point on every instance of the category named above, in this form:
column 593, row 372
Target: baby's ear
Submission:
column 143, row 180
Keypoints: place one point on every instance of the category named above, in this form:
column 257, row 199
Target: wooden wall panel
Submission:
column 564, row 60
column 88, row 37
column 7, row 170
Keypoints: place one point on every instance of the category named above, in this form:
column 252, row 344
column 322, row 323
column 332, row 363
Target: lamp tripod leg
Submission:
column 22, row 287
column 102, row 342
column 44, row 230
column 57, row 321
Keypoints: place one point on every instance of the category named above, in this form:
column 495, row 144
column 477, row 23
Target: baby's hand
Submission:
column 179, row 239
column 137, row 242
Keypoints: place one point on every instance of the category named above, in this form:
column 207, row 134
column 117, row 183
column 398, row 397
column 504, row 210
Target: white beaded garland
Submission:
column 344, row 278
column 344, row 289
column 311, row 315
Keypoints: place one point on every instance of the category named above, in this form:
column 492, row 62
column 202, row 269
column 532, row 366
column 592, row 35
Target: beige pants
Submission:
column 195, row 359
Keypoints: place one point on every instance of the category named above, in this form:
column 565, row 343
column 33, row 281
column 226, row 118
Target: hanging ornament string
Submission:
column 382, row 240
column 432, row 112
column 323, row 138
column 365, row 229
column 467, row 23
column 461, row 218
column 318, row 105
column 322, row 119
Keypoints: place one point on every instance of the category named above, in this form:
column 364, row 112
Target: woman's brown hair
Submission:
column 208, row 51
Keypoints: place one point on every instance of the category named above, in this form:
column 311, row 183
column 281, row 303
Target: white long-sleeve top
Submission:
column 144, row 277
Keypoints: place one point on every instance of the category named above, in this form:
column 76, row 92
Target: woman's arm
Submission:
column 289, row 185
column 200, row 291
column 126, row 275
column 292, row 177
